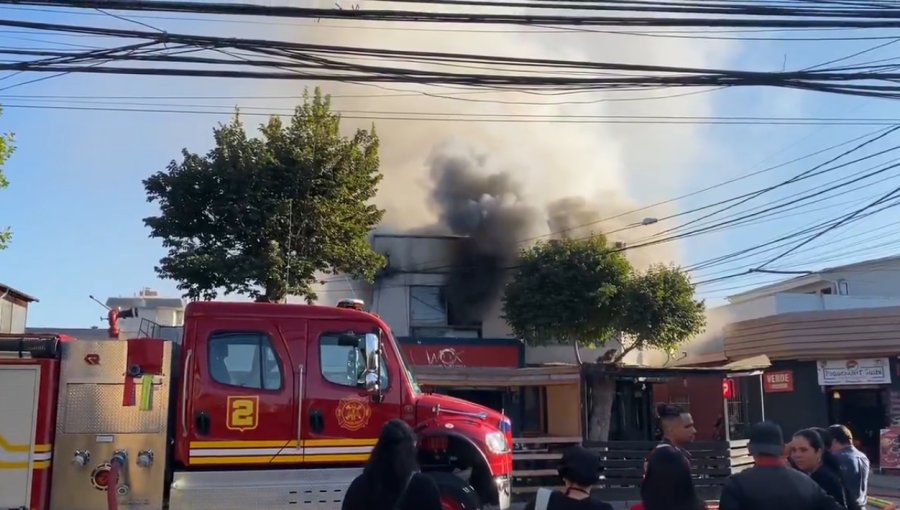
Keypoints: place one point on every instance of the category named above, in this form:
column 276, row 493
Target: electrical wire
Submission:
column 774, row 17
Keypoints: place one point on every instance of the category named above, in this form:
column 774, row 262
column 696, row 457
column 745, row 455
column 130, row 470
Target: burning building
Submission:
column 441, row 291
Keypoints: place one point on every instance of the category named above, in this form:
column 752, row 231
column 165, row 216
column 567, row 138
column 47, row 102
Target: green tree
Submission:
column 579, row 292
column 7, row 147
column 262, row 216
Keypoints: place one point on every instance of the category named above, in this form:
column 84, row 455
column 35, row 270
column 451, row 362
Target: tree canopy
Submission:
column 6, row 150
column 263, row 216
column 580, row 292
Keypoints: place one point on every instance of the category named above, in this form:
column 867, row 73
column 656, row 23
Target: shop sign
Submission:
column 781, row 381
column 889, row 457
column 468, row 355
column 854, row 371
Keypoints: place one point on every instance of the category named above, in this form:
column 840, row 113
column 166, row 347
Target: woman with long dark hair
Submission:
column 391, row 479
column 810, row 455
column 667, row 484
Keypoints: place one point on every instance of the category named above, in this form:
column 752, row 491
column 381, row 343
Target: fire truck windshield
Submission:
column 413, row 383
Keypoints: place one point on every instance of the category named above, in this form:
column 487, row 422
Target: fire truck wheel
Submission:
column 456, row 494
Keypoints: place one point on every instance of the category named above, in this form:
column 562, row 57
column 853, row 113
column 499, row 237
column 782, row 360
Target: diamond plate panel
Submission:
column 91, row 418
column 97, row 409
column 319, row 489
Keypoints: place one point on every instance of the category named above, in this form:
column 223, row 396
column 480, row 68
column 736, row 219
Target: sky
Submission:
column 76, row 199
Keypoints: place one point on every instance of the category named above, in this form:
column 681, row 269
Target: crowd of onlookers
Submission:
column 818, row 469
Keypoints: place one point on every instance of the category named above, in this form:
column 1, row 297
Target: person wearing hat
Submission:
column 770, row 484
column 579, row 469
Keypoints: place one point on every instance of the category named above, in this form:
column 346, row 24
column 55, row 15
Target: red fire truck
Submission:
column 250, row 405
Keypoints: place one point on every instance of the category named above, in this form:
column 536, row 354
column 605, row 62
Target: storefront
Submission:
column 814, row 383
column 858, row 393
column 482, row 370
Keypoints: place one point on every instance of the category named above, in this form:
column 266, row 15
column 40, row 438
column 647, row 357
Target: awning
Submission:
column 747, row 366
column 487, row 377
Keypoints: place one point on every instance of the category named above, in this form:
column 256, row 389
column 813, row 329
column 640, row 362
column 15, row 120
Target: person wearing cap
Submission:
column 770, row 484
column 579, row 469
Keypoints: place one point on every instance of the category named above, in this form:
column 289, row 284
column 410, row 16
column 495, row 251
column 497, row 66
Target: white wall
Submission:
column 12, row 315
column 790, row 302
column 709, row 346
column 431, row 256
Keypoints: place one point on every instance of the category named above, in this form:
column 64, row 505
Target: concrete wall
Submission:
column 13, row 314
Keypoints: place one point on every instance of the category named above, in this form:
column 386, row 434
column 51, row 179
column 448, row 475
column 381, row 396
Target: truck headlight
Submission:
column 496, row 442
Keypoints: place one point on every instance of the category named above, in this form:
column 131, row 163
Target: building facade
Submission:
column 13, row 309
column 151, row 308
column 472, row 356
column 833, row 337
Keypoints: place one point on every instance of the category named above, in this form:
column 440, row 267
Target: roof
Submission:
column 17, row 293
column 79, row 333
column 812, row 277
column 497, row 376
column 735, row 368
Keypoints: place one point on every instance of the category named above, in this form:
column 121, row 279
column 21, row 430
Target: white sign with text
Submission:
column 854, row 371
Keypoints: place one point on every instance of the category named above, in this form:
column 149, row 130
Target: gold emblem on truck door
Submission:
column 243, row 413
column 353, row 413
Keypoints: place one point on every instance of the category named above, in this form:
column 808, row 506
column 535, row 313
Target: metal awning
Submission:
column 489, row 377
column 748, row 366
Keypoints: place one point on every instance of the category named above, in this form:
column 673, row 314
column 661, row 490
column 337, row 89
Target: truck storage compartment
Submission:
column 28, row 376
column 112, row 416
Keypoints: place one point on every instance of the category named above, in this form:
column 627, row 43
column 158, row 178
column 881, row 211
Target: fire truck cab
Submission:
column 252, row 405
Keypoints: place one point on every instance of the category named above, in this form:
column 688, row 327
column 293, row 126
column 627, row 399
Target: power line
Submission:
column 406, row 116
column 668, row 33
column 776, row 17
column 311, row 62
column 856, row 213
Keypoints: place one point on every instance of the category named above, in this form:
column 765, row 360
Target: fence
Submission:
column 535, row 461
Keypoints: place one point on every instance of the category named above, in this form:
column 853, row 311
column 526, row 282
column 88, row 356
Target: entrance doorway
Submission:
column 864, row 411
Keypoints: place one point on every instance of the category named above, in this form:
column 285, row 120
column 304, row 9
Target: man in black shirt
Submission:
column 677, row 427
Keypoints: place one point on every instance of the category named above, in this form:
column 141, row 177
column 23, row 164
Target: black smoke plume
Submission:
column 490, row 211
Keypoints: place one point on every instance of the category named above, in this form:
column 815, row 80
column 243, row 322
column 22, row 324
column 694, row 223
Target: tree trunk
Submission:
column 603, row 392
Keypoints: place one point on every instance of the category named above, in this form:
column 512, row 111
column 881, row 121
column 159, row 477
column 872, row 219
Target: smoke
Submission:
column 487, row 208
column 502, row 184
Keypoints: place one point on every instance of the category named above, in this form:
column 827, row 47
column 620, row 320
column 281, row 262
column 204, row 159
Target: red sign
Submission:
column 463, row 355
column 781, row 381
column 727, row 388
column 92, row 359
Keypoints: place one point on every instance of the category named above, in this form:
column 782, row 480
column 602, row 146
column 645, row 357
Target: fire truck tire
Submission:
column 456, row 494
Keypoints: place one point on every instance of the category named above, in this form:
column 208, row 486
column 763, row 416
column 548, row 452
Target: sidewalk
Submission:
column 884, row 485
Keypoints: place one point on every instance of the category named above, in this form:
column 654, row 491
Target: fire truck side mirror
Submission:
column 373, row 346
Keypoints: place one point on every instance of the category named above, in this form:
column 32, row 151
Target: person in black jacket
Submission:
column 770, row 484
column 579, row 469
column 391, row 479
column 809, row 453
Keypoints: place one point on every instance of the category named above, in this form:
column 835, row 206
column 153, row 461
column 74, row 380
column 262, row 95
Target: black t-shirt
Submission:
column 559, row 501
column 421, row 494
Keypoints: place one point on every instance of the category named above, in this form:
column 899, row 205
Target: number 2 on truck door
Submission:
column 242, row 407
